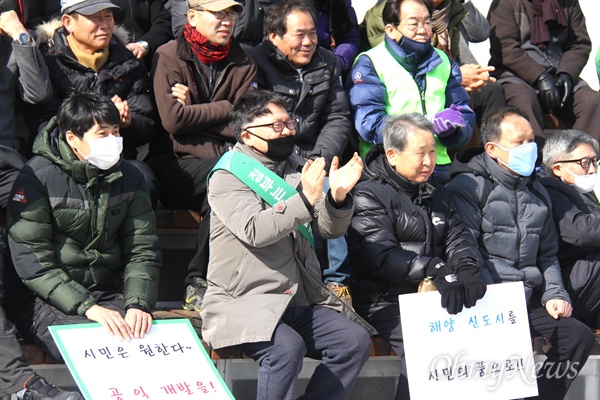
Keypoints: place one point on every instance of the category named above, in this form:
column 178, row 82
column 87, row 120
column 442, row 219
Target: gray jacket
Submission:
column 259, row 263
column 511, row 218
column 23, row 72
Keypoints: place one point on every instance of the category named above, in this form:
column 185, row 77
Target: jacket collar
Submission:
column 476, row 161
column 53, row 146
column 236, row 54
column 410, row 62
column 378, row 168
column 282, row 62
column 293, row 163
column 504, row 177
column 117, row 52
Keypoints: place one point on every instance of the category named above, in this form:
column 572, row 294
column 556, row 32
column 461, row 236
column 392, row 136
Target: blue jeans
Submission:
column 316, row 332
column 338, row 268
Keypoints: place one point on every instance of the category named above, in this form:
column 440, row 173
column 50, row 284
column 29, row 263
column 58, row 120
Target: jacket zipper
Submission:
column 518, row 261
column 423, row 106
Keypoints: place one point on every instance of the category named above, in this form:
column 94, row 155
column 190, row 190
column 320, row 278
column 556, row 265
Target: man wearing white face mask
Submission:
column 81, row 228
column 569, row 175
column 508, row 212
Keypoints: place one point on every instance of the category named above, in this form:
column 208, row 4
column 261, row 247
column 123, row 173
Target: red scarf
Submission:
column 206, row 51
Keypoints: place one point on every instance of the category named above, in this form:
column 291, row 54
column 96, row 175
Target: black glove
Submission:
column 447, row 284
column 474, row 286
column 549, row 93
column 564, row 83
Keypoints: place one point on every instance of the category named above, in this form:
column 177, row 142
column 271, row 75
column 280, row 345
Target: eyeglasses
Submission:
column 585, row 162
column 277, row 126
column 233, row 15
column 413, row 26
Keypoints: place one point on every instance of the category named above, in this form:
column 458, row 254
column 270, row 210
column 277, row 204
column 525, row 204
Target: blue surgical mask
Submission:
column 521, row 159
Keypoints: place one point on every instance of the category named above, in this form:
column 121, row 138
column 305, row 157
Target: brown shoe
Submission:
column 341, row 291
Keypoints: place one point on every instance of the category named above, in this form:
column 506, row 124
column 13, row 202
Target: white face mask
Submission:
column 583, row 183
column 105, row 152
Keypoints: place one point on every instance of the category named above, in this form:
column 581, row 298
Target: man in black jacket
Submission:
column 569, row 175
column 291, row 63
column 83, row 53
column 507, row 211
column 406, row 229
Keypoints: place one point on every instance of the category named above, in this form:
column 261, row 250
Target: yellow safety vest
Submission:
column 403, row 94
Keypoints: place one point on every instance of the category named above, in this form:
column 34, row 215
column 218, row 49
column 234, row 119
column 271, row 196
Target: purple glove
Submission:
column 447, row 121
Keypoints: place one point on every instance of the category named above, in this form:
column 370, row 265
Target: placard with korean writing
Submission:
column 167, row 363
column 484, row 352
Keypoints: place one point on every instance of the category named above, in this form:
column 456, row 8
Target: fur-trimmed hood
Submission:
column 44, row 33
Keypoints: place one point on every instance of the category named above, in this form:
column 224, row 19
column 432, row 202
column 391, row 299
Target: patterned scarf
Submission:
column 546, row 14
column 441, row 19
column 206, row 51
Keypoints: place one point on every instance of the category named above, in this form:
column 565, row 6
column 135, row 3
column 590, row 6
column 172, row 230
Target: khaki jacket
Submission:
column 258, row 257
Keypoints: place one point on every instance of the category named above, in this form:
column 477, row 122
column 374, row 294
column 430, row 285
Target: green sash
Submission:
column 264, row 182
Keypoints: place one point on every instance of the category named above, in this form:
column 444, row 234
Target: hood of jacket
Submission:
column 410, row 61
column 283, row 63
column 54, row 147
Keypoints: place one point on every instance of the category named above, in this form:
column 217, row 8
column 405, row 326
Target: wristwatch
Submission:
column 24, row 38
column 144, row 44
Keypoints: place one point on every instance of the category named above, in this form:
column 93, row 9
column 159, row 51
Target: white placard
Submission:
column 168, row 363
column 484, row 352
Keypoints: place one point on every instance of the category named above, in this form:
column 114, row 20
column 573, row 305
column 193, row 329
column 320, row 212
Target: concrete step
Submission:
column 377, row 380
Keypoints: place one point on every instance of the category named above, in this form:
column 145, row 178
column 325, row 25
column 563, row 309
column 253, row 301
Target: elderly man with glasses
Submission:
column 569, row 175
column 406, row 74
column 198, row 77
column 265, row 291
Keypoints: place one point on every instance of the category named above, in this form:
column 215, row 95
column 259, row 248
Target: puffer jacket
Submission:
column 466, row 25
column 511, row 218
column 74, row 229
column 315, row 97
column 397, row 227
column 369, row 96
column 259, row 261
column 122, row 75
column 577, row 217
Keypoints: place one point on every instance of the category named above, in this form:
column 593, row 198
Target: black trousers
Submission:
column 571, row 343
column 14, row 370
column 582, row 281
column 183, row 186
column 585, row 108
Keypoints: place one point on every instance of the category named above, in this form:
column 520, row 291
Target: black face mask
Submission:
column 278, row 149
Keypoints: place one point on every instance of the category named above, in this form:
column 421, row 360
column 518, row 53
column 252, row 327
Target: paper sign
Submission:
column 484, row 352
column 168, row 363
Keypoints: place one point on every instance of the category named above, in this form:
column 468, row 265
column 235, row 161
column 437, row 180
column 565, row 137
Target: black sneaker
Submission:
column 39, row 389
column 194, row 295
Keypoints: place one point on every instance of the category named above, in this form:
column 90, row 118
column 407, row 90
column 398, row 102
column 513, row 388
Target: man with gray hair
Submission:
column 406, row 229
column 569, row 176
